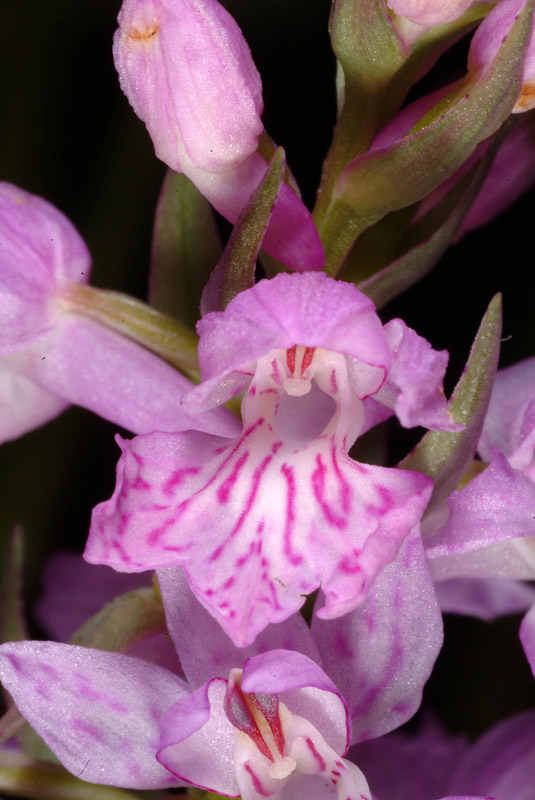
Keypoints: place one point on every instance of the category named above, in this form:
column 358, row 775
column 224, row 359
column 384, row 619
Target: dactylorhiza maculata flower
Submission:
column 51, row 357
column 189, row 75
column 261, row 521
column 267, row 721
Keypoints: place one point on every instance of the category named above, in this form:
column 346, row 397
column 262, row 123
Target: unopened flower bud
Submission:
column 188, row 73
column 488, row 39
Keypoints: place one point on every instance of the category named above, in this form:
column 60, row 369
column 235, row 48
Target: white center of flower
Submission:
column 258, row 716
column 298, row 359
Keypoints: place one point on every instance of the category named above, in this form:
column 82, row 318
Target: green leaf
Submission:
column 398, row 176
column 51, row 782
column 202, row 794
column 235, row 271
column 10, row 723
column 424, row 53
column 185, row 249
column 370, row 51
column 12, row 622
column 445, row 457
column 427, row 240
column 166, row 337
column 123, row 621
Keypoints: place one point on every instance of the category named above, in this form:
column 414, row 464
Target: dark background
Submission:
column 68, row 134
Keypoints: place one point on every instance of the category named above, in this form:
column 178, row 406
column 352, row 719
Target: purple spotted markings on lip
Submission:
column 259, row 522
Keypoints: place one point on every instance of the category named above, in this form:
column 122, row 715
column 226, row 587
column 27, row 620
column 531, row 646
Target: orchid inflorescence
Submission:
column 274, row 607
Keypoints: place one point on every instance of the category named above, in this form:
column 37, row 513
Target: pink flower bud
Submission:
column 429, row 12
column 189, row 75
column 487, row 41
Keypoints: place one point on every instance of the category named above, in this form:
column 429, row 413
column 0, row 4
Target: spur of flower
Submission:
column 260, row 522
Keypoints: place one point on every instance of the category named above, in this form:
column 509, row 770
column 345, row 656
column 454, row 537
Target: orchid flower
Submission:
column 189, row 75
column 267, row 721
column 51, row 357
column 261, row 521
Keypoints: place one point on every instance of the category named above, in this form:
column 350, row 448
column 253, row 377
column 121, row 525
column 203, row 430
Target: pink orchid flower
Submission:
column 261, row 521
column 268, row 721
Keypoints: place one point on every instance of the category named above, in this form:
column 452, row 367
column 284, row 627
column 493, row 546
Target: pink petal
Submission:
column 291, row 235
column 487, row 598
column 305, row 689
column 527, row 637
column 413, row 389
column 255, row 524
column 496, row 505
column 488, row 39
column 512, row 173
column 96, row 368
column 381, row 655
column 308, row 309
column 500, row 763
column 23, row 404
column 99, row 712
column 41, row 253
column 205, row 651
column 420, row 764
column 430, row 12
column 513, row 393
column 197, row 740
column 189, row 75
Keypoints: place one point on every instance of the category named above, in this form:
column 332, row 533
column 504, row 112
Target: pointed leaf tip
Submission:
column 235, row 270
column 446, row 456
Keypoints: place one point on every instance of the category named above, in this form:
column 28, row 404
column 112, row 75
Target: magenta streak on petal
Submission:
column 289, row 476
column 140, row 484
column 224, row 490
column 345, row 488
column 387, row 678
column 321, row 761
column 386, row 496
column 84, row 727
column 256, row 781
column 257, row 479
column 275, row 373
column 334, row 382
column 154, row 535
column 350, row 565
column 122, row 552
column 318, row 485
column 177, row 478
